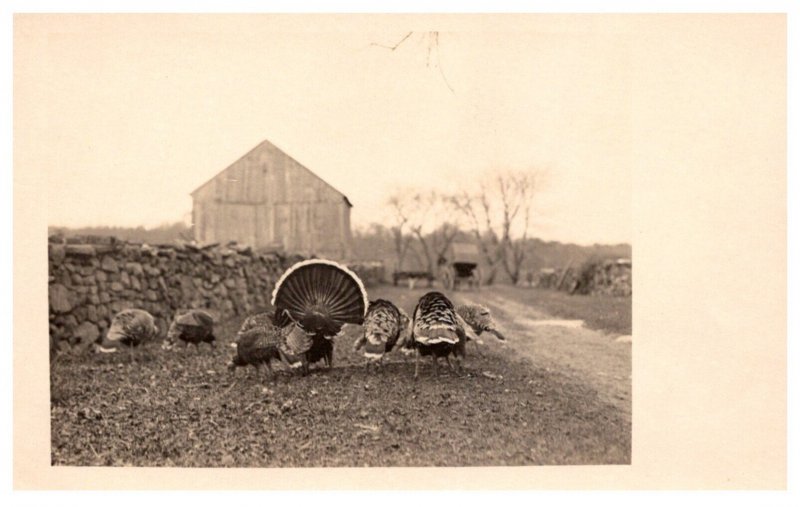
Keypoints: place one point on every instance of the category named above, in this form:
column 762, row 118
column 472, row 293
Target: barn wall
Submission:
column 265, row 199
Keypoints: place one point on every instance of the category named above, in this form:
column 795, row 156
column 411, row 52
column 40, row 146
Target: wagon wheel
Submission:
column 477, row 278
column 447, row 277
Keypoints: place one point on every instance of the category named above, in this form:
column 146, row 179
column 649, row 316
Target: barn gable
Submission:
column 266, row 198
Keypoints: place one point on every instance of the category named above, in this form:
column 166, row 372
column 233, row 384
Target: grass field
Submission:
column 552, row 395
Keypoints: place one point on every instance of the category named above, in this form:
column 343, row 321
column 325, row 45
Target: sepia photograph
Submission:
column 345, row 241
column 435, row 274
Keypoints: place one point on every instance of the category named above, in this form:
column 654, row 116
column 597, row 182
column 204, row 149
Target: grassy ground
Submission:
column 605, row 313
column 525, row 403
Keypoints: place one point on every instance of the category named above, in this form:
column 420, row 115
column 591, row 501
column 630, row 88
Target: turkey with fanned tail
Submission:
column 313, row 300
column 437, row 331
column 385, row 326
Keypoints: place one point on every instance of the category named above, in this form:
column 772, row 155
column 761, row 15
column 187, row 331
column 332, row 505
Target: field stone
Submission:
column 56, row 253
column 87, row 332
column 80, row 313
column 101, row 277
column 135, row 285
column 91, row 313
column 70, row 323
column 60, row 298
column 109, row 264
column 116, row 286
column 80, row 250
column 135, row 268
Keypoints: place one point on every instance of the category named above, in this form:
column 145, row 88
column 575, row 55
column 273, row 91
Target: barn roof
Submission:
column 266, row 144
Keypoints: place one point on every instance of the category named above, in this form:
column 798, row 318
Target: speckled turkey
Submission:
column 436, row 331
column 479, row 318
column 385, row 326
column 129, row 328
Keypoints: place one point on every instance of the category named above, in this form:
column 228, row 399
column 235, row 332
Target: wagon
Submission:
column 462, row 269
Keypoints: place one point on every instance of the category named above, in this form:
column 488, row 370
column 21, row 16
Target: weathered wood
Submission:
column 267, row 198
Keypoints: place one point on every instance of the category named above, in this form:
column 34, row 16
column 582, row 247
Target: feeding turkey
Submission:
column 313, row 300
column 477, row 319
column 385, row 326
column 129, row 328
column 259, row 342
column 191, row 327
column 436, row 331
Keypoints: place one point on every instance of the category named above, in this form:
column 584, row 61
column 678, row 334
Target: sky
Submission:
column 127, row 114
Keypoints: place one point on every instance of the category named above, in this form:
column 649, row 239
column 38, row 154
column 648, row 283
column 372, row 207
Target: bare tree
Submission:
column 499, row 211
column 433, row 224
column 517, row 190
column 400, row 207
column 477, row 209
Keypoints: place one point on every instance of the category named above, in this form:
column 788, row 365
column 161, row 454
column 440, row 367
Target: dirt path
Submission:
column 584, row 355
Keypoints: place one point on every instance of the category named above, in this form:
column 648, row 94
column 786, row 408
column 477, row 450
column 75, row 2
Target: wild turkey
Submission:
column 313, row 300
column 192, row 327
column 479, row 319
column 436, row 331
column 385, row 326
column 476, row 319
column 129, row 328
column 258, row 342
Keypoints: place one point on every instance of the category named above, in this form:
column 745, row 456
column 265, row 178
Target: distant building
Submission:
column 267, row 199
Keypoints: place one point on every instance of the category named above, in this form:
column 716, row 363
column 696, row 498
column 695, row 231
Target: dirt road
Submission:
column 598, row 359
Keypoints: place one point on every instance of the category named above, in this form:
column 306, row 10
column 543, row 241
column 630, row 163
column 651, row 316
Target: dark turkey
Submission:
column 385, row 326
column 436, row 331
column 313, row 300
column 192, row 327
column 259, row 342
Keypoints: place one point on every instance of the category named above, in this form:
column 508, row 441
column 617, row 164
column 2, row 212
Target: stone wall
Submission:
column 93, row 278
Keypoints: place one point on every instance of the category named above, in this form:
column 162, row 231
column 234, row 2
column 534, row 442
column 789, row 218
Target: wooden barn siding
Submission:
column 267, row 198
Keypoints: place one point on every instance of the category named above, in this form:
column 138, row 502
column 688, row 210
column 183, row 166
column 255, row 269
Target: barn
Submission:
column 266, row 199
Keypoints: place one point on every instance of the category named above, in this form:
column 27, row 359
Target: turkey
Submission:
column 313, row 300
column 436, row 331
column 192, row 327
column 129, row 328
column 258, row 342
column 475, row 319
column 385, row 326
